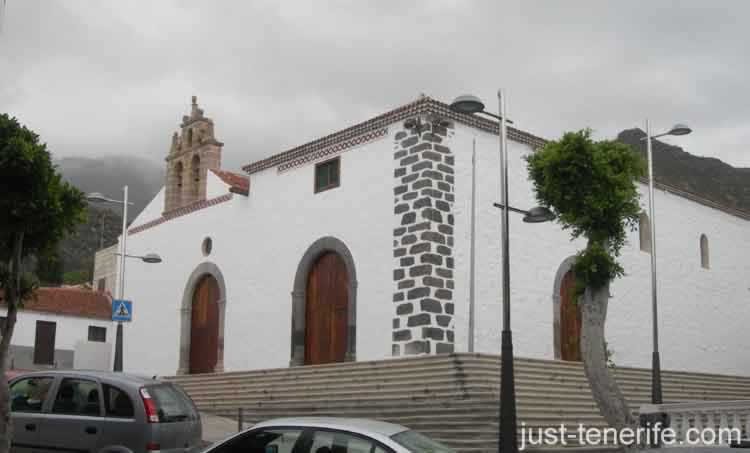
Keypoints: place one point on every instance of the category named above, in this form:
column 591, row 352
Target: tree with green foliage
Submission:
column 37, row 208
column 591, row 188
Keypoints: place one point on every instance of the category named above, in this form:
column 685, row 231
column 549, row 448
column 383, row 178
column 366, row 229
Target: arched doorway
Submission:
column 570, row 320
column 202, row 321
column 326, row 310
column 204, row 326
column 324, row 297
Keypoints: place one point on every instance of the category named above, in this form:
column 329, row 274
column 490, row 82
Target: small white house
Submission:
column 66, row 327
column 357, row 246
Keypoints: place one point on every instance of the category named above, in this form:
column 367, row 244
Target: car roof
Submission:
column 124, row 379
column 357, row 425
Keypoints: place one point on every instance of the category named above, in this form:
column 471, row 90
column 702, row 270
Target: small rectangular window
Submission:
column 327, row 175
column 98, row 334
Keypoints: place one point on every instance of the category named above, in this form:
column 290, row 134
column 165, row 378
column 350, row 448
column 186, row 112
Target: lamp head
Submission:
column 538, row 214
column 96, row 197
column 467, row 104
column 151, row 258
column 680, row 129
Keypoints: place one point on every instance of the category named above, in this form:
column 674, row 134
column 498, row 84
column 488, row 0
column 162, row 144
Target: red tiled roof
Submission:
column 72, row 301
column 237, row 183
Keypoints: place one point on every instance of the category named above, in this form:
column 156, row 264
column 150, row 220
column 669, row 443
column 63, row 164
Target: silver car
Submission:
column 328, row 435
column 91, row 411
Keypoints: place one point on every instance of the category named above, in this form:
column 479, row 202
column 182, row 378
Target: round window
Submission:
column 207, row 246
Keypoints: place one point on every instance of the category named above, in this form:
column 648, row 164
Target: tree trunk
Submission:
column 12, row 296
column 607, row 395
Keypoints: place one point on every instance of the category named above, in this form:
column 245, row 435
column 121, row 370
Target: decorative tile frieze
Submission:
column 338, row 148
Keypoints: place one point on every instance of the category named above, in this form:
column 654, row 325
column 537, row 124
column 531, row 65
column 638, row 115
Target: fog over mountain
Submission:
column 110, row 174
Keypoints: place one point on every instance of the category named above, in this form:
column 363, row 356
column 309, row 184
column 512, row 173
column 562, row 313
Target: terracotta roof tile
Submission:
column 72, row 301
column 238, row 183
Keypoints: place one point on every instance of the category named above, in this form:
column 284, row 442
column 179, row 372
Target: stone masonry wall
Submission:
column 423, row 238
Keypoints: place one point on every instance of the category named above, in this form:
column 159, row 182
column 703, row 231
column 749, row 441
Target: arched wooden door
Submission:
column 204, row 326
column 326, row 311
column 570, row 320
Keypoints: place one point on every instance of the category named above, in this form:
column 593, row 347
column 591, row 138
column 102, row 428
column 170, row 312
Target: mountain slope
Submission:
column 707, row 177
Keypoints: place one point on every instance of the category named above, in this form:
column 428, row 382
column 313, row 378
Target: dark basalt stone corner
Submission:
column 409, row 142
column 444, row 348
column 443, row 320
column 409, row 217
column 418, row 293
column 406, row 284
column 417, row 347
column 433, row 333
column 424, row 165
column 433, row 282
column 432, row 306
column 444, row 294
column 402, row 335
column 422, row 319
column 400, row 135
column 422, row 269
column 405, row 309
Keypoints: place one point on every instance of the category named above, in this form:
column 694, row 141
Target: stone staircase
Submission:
column 453, row 398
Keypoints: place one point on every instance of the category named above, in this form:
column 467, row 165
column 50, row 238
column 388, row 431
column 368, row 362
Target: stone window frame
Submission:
column 186, row 311
column 337, row 161
column 299, row 290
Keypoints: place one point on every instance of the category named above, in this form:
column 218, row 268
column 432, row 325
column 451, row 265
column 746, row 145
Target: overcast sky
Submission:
column 102, row 77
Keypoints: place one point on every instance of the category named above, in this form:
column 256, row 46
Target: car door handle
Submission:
column 30, row 427
column 90, row 430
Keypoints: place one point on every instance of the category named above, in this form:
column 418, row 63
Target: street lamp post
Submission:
column 507, row 442
column 677, row 129
column 96, row 197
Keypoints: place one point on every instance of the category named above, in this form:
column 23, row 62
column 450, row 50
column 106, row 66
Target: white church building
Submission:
column 357, row 246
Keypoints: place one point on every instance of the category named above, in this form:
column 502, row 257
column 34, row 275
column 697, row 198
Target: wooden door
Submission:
column 44, row 343
column 570, row 320
column 204, row 327
column 327, row 311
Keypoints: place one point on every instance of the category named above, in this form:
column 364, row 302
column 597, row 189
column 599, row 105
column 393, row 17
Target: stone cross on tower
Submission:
column 194, row 150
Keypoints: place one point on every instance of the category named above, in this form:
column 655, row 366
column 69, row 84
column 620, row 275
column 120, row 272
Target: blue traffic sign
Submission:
column 122, row 310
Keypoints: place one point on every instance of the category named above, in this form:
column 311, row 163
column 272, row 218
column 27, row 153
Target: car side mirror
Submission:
column 272, row 449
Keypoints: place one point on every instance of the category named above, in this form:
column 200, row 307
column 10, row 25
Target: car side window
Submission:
column 340, row 442
column 272, row 440
column 117, row 403
column 77, row 397
column 28, row 395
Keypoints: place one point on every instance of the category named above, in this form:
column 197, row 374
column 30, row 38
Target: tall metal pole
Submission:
column 508, row 441
column 472, row 271
column 655, row 362
column 121, row 286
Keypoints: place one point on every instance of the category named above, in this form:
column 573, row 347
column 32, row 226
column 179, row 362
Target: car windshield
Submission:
column 171, row 404
column 419, row 443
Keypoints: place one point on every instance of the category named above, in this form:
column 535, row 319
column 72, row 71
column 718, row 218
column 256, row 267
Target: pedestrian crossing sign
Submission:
column 122, row 310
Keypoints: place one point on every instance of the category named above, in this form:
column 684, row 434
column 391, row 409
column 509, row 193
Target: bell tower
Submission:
column 193, row 152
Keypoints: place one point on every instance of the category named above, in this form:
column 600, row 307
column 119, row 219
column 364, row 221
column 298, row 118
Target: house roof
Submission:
column 237, row 183
column 353, row 135
column 423, row 105
column 71, row 301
